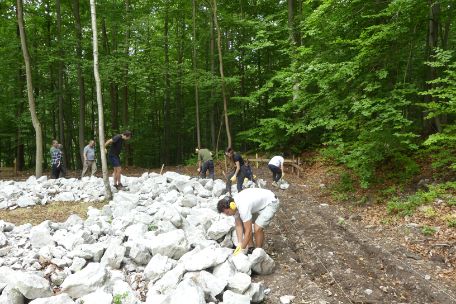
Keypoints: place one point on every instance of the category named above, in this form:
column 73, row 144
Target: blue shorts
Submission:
column 114, row 160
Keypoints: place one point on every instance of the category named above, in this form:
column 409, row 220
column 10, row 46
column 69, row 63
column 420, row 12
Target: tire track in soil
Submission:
column 319, row 260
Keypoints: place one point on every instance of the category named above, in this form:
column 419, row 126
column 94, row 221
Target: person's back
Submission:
column 204, row 155
column 252, row 200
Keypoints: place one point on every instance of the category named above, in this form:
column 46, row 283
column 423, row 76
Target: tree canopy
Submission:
column 370, row 82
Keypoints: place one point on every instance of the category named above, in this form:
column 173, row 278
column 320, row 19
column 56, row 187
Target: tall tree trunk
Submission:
column 222, row 76
column 432, row 43
column 113, row 88
column 125, row 81
column 60, row 83
column 294, row 42
column 81, row 83
column 104, row 164
column 195, row 73
column 31, row 98
column 166, row 99
column 212, row 97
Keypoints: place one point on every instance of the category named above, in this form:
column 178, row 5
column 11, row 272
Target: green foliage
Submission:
column 408, row 205
column 451, row 222
column 152, row 227
column 426, row 230
column 118, row 298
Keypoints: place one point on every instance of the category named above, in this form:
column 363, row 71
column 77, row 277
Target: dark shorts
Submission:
column 114, row 160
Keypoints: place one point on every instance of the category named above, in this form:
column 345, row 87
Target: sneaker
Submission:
column 250, row 250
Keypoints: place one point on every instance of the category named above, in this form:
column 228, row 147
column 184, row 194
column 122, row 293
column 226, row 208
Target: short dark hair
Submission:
column 228, row 150
column 127, row 133
column 224, row 203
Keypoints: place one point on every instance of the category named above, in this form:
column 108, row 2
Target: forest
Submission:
column 369, row 84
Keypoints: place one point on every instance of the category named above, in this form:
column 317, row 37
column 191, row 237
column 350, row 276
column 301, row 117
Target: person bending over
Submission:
column 114, row 155
column 253, row 206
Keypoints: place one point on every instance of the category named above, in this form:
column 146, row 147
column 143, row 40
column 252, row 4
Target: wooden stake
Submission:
column 162, row 169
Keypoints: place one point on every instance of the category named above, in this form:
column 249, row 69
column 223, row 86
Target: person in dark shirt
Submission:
column 114, row 155
column 239, row 172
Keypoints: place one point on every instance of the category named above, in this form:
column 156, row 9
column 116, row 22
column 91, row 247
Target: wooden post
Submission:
column 162, row 169
column 299, row 165
column 256, row 163
column 292, row 168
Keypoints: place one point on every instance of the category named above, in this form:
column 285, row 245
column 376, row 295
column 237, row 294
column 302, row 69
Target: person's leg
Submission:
column 84, row 168
column 279, row 174
column 211, row 169
column 259, row 236
column 118, row 173
column 94, row 167
column 272, row 168
column 240, row 180
column 203, row 170
column 54, row 171
column 228, row 182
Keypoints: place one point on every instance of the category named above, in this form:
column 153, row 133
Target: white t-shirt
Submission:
column 276, row 161
column 252, row 200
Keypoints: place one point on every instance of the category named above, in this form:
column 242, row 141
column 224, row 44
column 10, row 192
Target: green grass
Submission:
column 427, row 230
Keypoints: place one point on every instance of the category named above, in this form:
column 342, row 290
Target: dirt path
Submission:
column 324, row 258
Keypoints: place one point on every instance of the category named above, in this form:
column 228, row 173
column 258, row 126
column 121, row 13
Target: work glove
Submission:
column 237, row 250
column 233, row 178
column 198, row 169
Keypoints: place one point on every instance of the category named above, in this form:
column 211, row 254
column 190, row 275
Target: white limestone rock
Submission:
column 64, row 197
column 220, row 227
column 27, row 200
column 40, row 236
column 77, row 264
column 230, row 297
column 62, row 298
column 240, row 282
column 173, row 244
column 158, row 266
column 208, row 257
column 139, row 253
column 189, row 200
column 97, row 297
column 186, row 292
column 211, row 285
column 29, row 284
column 114, row 254
column 256, row 292
column 3, row 240
column 262, row 263
column 11, row 296
column 85, row 281
column 224, row 271
column 242, row 263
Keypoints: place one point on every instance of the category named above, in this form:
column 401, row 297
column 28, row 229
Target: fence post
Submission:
column 256, row 163
column 299, row 165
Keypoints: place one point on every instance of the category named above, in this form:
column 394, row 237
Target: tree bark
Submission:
column 195, row 73
column 101, row 136
column 167, row 97
column 222, row 76
column 31, row 98
column 81, row 82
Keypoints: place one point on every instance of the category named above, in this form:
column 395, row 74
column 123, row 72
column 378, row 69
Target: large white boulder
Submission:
column 240, row 282
column 62, row 298
column 11, row 296
column 206, row 258
column 40, row 236
column 173, row 244
column 98, row 297
column 85, row 281
column 211, row 285
column 114, row 254
column 230, row 297
column 158, row 266
column 220, row 227
column 186, row 292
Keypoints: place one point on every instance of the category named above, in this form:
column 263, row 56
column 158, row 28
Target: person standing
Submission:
column 239, row 172
column 89, row 158
column 276, row 167
column 205, row 163
column 56, row 159
column 63, row 170
column 114, row 155
column 252, row 206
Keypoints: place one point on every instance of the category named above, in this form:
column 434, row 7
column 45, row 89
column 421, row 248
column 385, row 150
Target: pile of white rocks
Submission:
column 33, row 191
column 161, row 242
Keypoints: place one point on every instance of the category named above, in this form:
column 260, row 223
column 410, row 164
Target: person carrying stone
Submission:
column 56, row 159
column 89, row 159
column 253, row 206
column 205, row 163
column 276, row 167
column 239, row 172
column 114, row 155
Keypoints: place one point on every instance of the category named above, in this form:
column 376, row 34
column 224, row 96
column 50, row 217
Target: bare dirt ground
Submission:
column 327, row 252
column 332, row 252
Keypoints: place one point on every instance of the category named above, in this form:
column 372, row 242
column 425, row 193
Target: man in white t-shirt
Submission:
column 276, row 167
column 251, row 206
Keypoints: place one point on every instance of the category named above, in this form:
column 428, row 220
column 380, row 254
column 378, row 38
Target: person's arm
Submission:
column 247, row 234
column 85, row 154
column 199, row 163
column 107, row 144
column 239, row 229
column 281, row 168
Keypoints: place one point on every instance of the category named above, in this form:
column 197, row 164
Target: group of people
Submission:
column 89, row 158
column 252, row 208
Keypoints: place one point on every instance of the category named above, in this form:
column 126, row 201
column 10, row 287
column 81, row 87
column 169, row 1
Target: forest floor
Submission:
column 327, row 251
